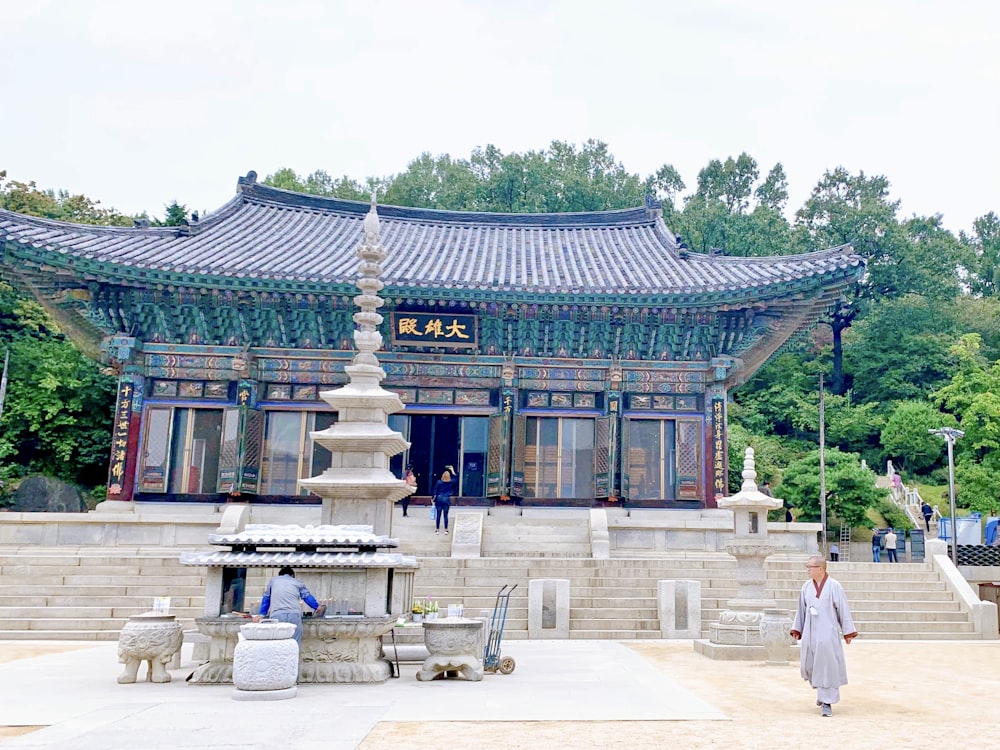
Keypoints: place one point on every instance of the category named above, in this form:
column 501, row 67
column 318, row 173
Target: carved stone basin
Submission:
column 455, row 648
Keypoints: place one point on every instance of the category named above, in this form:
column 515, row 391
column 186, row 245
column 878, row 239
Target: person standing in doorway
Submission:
column 928, row 513
column 281, row 600
column 822, row 618
column 411, row 481
column 876, row 546
column 890, row 544
column 444, row 490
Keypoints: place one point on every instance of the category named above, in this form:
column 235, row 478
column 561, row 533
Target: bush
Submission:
column 894, row 515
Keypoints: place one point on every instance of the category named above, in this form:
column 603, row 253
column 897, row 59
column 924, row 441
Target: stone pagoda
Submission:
column 348, row 560
column 358, row 488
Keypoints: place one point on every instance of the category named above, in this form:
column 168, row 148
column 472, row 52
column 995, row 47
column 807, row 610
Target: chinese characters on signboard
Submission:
column 119, row 437
column 452, row 330
column 719, row 483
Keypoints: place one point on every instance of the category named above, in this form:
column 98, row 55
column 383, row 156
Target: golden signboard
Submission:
column 434, row 329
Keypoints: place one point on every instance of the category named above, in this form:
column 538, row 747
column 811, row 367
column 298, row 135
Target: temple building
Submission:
column 552, row 359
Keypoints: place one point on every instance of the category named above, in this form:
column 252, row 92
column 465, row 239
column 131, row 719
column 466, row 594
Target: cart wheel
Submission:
column 507, row 664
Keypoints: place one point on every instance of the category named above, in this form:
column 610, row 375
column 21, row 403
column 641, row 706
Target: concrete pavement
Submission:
column 75, row 697
column 579, row 694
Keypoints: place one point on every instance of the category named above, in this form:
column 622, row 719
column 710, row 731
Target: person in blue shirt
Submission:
column 281, row 600
column 444, row 490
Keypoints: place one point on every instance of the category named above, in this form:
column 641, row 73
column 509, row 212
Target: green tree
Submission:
column 176, row 215
column 973, row 396
column 433, row 182
column 57, row 413
column 728, row 214
column 901, row 349
column 850, row 487
column 978, row 484
column 906, row 440
column 560, row 178
column 847, row 209
column 27, row 198
column 984, row 247
column 770, row 456
column 320, row 183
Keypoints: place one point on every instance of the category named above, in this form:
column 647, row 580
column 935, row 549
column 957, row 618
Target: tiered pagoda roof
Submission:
column 275, row 240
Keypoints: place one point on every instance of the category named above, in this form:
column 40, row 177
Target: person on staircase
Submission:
column 928, row 513
column 822, row 618
column 444, row 490
column 876, row 546
column 890, row 544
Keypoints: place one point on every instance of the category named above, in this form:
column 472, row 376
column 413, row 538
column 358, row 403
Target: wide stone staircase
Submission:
column 87, row 593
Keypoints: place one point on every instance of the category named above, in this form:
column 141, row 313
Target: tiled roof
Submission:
column 271, row 535
column 240, row 559
column 280, row 236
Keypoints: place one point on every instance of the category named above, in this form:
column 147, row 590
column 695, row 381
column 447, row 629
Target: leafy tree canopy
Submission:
column 906, row 438
column 26, row 198
column 901, row 349
column 850, row 487
column 57, row 412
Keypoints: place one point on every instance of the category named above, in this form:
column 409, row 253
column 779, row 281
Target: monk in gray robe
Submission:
column 822, row 618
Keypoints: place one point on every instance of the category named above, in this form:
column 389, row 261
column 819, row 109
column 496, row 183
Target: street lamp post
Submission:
column 822, row 467
column 950, row 434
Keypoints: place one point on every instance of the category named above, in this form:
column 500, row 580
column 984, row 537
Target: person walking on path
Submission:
column 876, row 546
column 890, row 544
column 281, row 600
column 444, row 490
column 411, row 481
column 928, row 514
column 822, row 618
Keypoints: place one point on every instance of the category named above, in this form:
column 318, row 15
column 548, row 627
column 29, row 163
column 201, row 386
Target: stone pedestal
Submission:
column 344, row 649
column 454, row 645
column 266, row 662
column 153, row 638
column 223, row 633
column 775, row 635
column 333, row 649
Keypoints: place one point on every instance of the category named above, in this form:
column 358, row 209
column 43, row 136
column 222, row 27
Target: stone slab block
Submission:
column 548, row 608
column 679, row 608
column 467, row 536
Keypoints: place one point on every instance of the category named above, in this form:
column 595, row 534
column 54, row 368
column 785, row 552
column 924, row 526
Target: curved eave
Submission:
column 823, row 273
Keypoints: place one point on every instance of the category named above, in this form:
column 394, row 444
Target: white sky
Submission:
column 140, row 102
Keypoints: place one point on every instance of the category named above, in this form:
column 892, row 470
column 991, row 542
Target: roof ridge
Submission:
column 254, row 192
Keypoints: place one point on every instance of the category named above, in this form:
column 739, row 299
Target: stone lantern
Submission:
column 737, row 634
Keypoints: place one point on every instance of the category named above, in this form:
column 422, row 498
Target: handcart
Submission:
column 492, row 659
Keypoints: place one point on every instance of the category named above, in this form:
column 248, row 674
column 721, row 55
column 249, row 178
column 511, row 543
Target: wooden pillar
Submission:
column 125, row 434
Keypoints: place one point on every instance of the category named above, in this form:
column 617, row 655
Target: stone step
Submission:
column 123, row 588
column 74, row 599
column 608, row 634
column 122, row 612
column 625, row 614
column 77, row 623
column 880, row 626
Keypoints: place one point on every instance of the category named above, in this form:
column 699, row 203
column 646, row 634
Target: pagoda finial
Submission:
column 367, row 339
column 749, row 471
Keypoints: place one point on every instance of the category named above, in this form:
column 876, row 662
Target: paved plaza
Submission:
column 577, row 694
